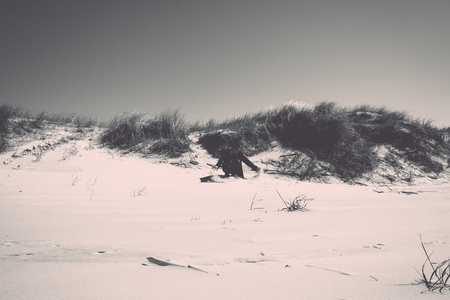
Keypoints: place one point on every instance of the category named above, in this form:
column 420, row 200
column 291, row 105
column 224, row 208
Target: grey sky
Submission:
column 217, row 59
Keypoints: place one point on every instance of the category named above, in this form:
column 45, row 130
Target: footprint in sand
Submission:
column 377, row 246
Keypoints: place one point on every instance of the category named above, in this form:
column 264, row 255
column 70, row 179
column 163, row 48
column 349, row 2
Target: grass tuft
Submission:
column 437, row 277
column 166, row 133
column 299, row 203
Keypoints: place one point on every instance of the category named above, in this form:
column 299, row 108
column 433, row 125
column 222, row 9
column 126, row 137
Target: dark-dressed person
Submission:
column 231, row 163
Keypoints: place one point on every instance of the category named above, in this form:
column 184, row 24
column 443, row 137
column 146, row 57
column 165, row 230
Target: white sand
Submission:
column 82, row 228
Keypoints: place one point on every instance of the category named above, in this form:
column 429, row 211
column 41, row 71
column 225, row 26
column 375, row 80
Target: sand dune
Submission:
column 80, row 222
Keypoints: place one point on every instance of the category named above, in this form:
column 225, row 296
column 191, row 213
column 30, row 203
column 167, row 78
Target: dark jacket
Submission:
column 231, row 163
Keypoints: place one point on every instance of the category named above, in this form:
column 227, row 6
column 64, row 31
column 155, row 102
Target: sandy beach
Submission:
column 81, row 226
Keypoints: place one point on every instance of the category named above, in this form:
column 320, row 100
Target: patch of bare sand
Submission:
column 82, row 227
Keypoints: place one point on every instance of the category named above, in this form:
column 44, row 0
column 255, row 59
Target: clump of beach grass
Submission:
column 166, row 133
column 435, row 276
column 299, row 203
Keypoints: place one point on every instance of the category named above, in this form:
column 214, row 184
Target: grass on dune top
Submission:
column 340, row 140
column 166, row 133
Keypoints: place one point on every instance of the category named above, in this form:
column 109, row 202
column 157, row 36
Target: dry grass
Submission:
column 299, row 203
column 166, row 133
column 435, row 276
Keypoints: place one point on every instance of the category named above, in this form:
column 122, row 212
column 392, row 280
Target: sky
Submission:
column 219, row 59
